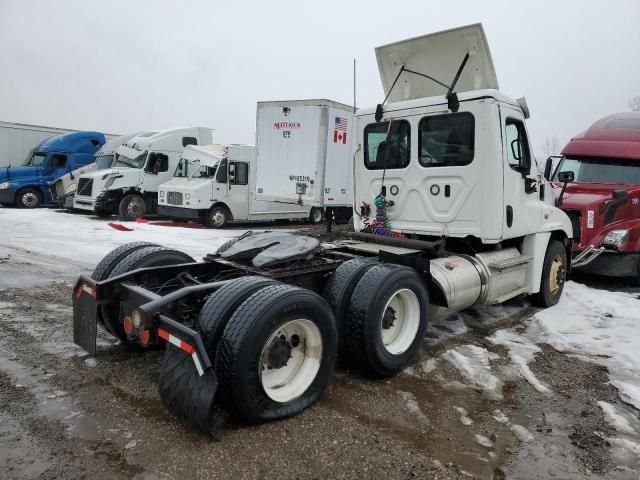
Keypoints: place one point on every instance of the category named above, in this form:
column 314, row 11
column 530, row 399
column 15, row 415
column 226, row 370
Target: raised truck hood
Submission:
column 102, row 173
column 438, row 55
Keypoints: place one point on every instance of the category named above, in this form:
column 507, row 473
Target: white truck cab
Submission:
column 215, row 184
column 64, row 188
column 144, row 162
column 454, row 161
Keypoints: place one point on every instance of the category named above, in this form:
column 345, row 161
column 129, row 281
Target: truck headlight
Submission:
column 161, row 193
column 71, row 189
column 5, row 185
column 615, row 238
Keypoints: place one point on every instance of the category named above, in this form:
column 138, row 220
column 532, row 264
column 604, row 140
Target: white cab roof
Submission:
column 438, row 55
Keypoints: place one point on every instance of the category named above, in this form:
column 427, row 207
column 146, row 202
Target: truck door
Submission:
column 57, row 167
column 239, row 190
column 520, row 179
column 220, row 187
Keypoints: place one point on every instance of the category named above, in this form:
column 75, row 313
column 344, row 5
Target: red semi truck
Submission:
column 597, row 183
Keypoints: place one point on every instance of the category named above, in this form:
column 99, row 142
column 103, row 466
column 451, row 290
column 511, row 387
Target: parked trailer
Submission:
column 256, row 327
column 216, row 184
column 305, row 154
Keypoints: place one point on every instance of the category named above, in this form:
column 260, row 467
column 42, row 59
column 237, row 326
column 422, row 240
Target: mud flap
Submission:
column 186, row 393
column 85, row 314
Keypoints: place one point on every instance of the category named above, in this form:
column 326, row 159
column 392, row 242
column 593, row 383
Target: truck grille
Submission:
column 174, row 198
column 576, row 221
column 84, row 187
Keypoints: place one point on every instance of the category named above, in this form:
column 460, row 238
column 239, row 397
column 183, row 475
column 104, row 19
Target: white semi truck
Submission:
column 449, row 212
column 305, row 154
column 216, row 184
column 64, row 188
column 130, row 187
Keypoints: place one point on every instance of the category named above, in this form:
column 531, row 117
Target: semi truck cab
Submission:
column 64, row 188
column 603, row 198
column 144, row 162
column 28, row 186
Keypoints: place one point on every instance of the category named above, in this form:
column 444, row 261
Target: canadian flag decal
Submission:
column 340, row 130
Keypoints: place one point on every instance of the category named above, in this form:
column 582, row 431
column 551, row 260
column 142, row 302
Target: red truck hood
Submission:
column 582, row 195
column 594, row 212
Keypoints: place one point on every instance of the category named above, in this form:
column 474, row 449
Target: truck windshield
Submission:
column 601, row 170
column 104, row 161
column 35, row 159
column 137, row 162
column 186, row 167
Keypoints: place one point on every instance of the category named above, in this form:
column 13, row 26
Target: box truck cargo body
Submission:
column 305, row 153
column 215, row 184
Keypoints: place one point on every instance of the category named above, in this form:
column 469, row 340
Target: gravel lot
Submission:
column 64, row 414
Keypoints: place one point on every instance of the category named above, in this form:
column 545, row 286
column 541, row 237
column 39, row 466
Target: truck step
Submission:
column 509, row 262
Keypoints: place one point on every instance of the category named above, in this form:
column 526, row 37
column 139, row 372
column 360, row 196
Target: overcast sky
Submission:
column 123, row 66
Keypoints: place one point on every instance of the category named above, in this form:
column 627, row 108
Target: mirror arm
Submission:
column 560, row 198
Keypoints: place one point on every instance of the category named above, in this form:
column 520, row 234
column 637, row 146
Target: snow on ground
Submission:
column 473, row 363
column 599, row 325
column 64, row 242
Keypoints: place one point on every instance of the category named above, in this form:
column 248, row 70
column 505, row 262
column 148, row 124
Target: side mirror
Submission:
column 378, row 112
column 620, row 194
column 547, row 168
column 566, row 177
column 453, row 103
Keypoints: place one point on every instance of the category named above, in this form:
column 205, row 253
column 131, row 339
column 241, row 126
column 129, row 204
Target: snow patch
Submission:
column 473, row 362
column 484, row 441
column 499, row 416
column 614, row 419
column 523, row 434
column 464, row 416
column 412, row 404
column 521, row 352
column 598, row 325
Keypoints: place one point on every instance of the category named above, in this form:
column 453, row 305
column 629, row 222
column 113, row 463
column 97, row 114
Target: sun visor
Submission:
column 439, row 56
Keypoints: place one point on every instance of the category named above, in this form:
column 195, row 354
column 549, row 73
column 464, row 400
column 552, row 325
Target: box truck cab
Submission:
column 27, row 186
column 63, row 189
column 602, row 198
column 130, row 187
column 215, row 184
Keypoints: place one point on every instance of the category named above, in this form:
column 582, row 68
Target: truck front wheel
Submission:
column 218, row 217
column 132, row 207
column 554, row 273
column 386, row 320
column 29, row 198
column 277, row 353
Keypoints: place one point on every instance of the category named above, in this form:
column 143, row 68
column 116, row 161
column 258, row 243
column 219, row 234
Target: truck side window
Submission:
column 58, row 161
column 446, row 140
column 387, row 146
column 221, row 175
column 241, row 173
column 518, row 154
column 189, row 141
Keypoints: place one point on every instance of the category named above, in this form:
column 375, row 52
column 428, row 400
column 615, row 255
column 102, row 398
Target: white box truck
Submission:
column 147, row 160
column 305, row 154
column 215, row 185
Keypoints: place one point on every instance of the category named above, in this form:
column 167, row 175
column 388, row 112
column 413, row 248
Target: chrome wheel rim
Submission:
column 218, row 219
column 29, row 199
column 400, row 321
column 135, row 208
column 290, row 360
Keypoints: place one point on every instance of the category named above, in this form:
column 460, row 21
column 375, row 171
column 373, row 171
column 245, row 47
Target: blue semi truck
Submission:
column 27, row 186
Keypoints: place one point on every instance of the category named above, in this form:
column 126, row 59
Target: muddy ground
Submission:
column 66, row 415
